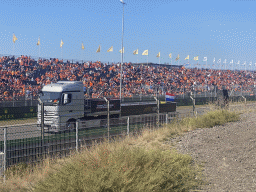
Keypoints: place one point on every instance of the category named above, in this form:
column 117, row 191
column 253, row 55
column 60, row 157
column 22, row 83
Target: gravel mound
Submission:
column 227, row 152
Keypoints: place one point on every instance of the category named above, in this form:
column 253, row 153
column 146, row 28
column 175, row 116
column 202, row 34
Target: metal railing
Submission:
column 28, row 143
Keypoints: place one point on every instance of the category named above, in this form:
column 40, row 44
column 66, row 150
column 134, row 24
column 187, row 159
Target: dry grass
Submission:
column 144, row 162
column 18, row 121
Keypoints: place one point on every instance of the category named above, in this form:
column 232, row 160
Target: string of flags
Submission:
column 145, row 52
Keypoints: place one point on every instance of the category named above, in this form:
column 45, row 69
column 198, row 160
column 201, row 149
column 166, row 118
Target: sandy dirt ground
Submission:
column 227, row 152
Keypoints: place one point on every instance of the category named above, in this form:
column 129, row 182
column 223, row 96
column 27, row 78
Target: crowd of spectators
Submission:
column 24, row 77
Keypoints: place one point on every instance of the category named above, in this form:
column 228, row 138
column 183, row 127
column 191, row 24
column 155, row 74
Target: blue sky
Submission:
column 224, row 29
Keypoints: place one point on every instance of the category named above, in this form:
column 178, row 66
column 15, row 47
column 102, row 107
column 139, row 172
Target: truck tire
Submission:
column 71, row 124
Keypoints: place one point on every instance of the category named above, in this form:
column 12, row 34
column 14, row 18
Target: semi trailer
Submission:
column 64, row 103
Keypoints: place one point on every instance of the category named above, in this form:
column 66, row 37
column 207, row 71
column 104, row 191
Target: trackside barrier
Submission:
column 25, row 143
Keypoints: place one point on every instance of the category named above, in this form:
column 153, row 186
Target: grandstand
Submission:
column 23, row 77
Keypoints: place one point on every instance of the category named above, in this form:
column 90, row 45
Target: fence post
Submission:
column 140, row 93
column 158, row 119
column 13, row 101
column 42, row 122
column 5, row 145
column 77, row 139
column 42, row 128
column 25, row 96
column 128, row 125
column 157, row 101
column 107, row 101
column 244, row 99
column 194, row 105
column 166, row 118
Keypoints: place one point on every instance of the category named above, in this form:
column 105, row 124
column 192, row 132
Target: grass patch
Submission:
column 143, row 162
column 210, row 119
column 112, row 167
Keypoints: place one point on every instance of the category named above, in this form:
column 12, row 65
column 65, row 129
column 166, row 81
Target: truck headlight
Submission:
column 55, row 120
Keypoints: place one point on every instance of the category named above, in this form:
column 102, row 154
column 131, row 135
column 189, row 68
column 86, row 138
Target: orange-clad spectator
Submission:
column 136, row 79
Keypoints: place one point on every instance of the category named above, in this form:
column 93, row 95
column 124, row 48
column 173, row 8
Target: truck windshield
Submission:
column 51, row 98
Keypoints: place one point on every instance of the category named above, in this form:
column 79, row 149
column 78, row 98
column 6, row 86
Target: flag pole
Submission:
column 61, row 44
column 13, row 47
column 39, row 51
column 81, row 55
column 39, row 47
column 121, row 70
column 210, row 69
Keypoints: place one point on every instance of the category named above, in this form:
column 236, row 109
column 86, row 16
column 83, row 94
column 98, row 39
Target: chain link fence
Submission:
column 28, row 143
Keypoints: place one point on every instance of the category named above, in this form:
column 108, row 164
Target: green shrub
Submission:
column 125, row 169
column 210, row 119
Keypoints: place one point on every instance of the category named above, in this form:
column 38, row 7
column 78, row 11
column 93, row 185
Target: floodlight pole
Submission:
column 122, row 55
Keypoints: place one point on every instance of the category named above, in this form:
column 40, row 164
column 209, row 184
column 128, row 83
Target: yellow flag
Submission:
column 121, row 50
column 158, row 55
column 177, row 58
column 14, row 38
column 145, row 52
column 38, row 42
column 98, row 50
column 196, row 58
column 82, row 46
column 187, row 57
column 110, row 49
column 61, row 43
column 170, row 55
column 136, row 52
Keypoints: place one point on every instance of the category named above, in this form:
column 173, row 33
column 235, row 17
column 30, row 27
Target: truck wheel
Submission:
column 71, row 125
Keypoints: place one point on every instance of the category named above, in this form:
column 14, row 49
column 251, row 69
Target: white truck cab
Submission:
column 63, row 105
